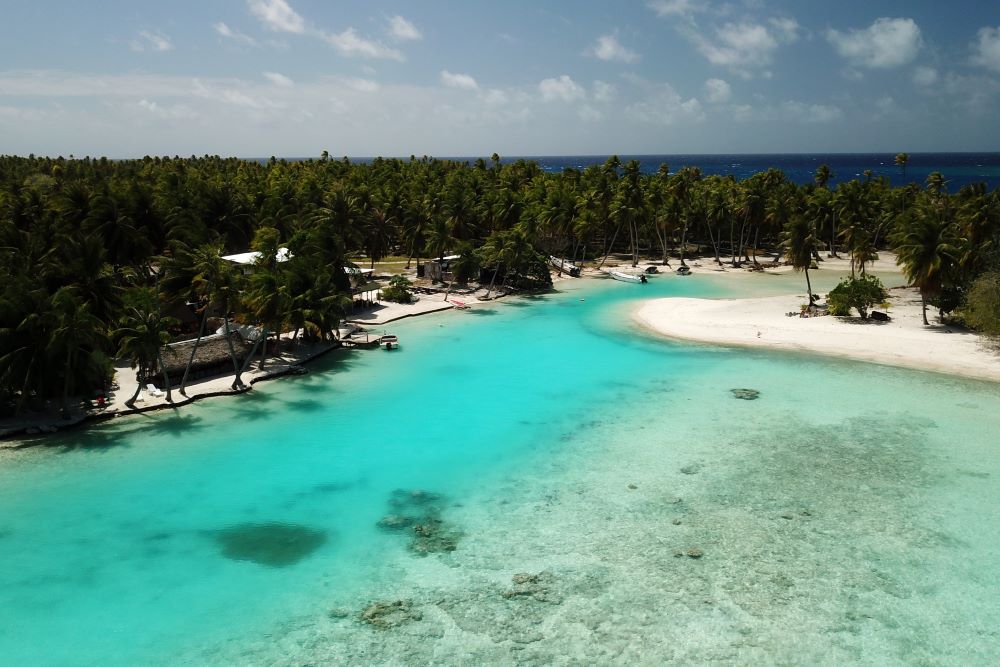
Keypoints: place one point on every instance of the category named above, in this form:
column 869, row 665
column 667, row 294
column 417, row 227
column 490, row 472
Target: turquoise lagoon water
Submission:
column 846, row 516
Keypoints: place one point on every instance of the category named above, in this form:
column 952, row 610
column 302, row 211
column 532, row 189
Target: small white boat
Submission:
column 627, row 277
column 565, row 265
column 389, row 341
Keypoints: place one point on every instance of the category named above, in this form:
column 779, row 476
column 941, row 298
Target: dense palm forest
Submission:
column 94, row 253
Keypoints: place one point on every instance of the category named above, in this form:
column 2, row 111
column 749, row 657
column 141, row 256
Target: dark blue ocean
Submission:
column 959, row 169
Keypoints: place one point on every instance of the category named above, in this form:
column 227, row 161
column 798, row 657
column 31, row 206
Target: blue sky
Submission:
column 296, row 77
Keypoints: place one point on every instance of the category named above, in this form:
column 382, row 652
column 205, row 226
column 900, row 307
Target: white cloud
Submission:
column 609, row 48
column 925, row 76
column 174, row 111
column 589, row 114
column 986, row 51
column 494, row 98
column 603, row 92
column 885, row 43
column 151, row 41
column 676, row 7
column 402, row 29
column 362, row 85
column 563, row 89
column 787, row 28
column 662, row 105
column 886, row 105
column 741, row 47
column 235, row 35
column 277, row 15
column 350, row 44
column 717, row 91
column 279, row 79
column 462, row 81
column 811, row 113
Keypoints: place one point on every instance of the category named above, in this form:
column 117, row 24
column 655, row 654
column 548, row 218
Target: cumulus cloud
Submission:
column 925, row 76
column 174, row 111
column 562, row 89
column 786, row 28
column 609, row 48
column 361, row 85
column 986, row 50
column 741, row 47
column 675, row 7
column 811, row 113
column 235, row 35
column 279, row 79
column 886, row 43
column 494, row 98
column 461, row 81
column 349, row 43
column 277, row 15
column 151, row 41
column 717, row 91
column 660, row 104
column 603, row 92
column 402, row 29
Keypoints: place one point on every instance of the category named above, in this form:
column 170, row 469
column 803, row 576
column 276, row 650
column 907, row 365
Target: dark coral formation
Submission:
column 272, row 544
column 746, row 394
column 420, row 512
column 533, row 586
column 386, row 615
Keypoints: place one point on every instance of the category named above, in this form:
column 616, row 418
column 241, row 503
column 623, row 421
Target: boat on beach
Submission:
column 683, row 271
column 565, row 265
column 627, row 277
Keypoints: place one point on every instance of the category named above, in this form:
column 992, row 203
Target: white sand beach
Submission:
column 764, row 323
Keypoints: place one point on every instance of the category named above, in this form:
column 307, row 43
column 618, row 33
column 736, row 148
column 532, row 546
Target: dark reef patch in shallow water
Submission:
column 271, row 544
column 419, row 513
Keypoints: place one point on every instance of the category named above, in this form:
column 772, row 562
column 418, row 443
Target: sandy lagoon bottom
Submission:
column 844, row 516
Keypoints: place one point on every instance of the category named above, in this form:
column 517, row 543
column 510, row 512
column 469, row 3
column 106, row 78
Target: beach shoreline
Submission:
column 765, row 323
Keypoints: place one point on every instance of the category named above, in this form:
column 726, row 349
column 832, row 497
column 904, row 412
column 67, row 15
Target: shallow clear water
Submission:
column 847, row 515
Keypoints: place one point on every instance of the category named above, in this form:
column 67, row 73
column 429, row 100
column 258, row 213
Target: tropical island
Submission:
column 133, row 260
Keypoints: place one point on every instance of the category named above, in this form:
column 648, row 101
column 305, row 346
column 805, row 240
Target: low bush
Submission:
column 860, row 293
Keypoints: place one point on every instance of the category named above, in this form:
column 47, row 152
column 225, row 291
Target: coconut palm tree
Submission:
column 141, row 336
column 928, row 248
column 902, row 159
column 799, row 241
column 77, row 337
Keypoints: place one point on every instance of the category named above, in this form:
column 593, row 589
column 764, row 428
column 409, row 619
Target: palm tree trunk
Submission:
column 263, row 350
column 237, row 380
column 923, row 306
column 684, row 231
column 140, row 378
column 612, row 245
column 194, row 350
column 809, row 289
column 833, row 235
column 163, row 371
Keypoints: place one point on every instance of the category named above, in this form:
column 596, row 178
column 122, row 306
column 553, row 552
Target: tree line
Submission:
column 94, row 251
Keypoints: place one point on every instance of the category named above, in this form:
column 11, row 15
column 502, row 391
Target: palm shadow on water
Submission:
column 105, row 438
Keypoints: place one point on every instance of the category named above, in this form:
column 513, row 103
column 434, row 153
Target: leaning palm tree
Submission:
column 799, row 241
column 208, row 267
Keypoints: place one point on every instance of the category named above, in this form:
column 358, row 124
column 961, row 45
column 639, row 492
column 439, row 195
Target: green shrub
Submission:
column 982, row 304
column 398, row 290
column 861, row 293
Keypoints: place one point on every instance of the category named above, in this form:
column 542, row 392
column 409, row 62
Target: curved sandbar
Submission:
column 763, row 322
